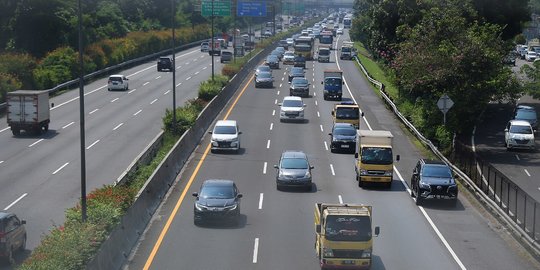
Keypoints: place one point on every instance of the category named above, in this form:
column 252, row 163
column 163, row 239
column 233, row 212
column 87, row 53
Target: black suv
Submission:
column 164, row 63
column 217, row 200
column 12, row 235
column 433, row 179
column 343, row 138
column 300, row 61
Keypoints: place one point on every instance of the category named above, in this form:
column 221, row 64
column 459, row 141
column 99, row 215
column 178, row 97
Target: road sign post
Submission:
column 445, row 103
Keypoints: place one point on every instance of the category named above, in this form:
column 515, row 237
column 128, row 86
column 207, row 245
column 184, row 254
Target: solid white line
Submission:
column 137, row 112
column 527, row 172
column 318, row 114
column 264, row 167
column 16, row 201
column 61, row 167
column 119, row 125
column 145, row 83
column 90, row 146
column 114, row 100
column 255, row 250
column 271, row 126
column 167, row 92
column 278, row 91
column 178, row 84
column 268, row 144
column 274, row 112
column 275, row 102
column 316, row 104
column 95, row 110
column 325, row 145
column 35, row 142
column 132, row 91
column 153, row 101
column 340, row 199
column 68, row 125
column 517, row 157
column 321, row 128
column 158, row 77
column 187, row 79
column 332, row 169
column 261, row 201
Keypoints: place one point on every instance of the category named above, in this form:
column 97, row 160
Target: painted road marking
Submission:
column 255, row 250
column 119, row 125
column 325, row 145
column 274, row 112
column 268, row 145
column 264, row 167
column 153, row 101
column 332, row 169
column 114, row 100
column 95, row 110
column 16, row 201
column 144, row 84
column 278, row 91
column 527, row 172
column 271, row 126
column 132, row 91
column 90, row 146
column 318, row 114
column 340, row 199
column 61, row 167
column 517, row 157
column 187, row 79
column 321, row 128
column 316, row 104
column 35, row 142
column 261, row 200
column 158, row 77
column 66, row 126
column 275, row 102
column 139, row 111
column 178, row 84
column 167, row 92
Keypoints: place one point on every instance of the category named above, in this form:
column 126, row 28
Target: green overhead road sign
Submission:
column 221, row 8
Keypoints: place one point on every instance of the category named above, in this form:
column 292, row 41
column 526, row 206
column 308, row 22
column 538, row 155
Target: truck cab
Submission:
column 215, row 47
column 332, row 84
column 323, row 54
column 374, row 161
column 347, row 112
column 344, row 235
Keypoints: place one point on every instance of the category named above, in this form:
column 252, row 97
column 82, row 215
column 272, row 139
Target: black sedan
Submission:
column 217, row 200
column 264, row 79
column 296, row 72
column 272, row 61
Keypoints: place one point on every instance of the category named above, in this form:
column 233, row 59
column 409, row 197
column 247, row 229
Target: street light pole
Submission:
column 212, row 45
column 81, row 116
column 173, row 64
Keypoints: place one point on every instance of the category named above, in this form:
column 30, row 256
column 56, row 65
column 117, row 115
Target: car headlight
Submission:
column 307, row 175
column 232, row 207
column 388, row 173
column 366, row 253
column 214, row 143
column 327, row 252
column 200, row 207
column 363, row 172
column 423, row 184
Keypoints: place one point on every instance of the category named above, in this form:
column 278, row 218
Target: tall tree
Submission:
column 509, row 14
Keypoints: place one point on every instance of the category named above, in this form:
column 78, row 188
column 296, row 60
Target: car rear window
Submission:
column 115, row 79
column 526, row 114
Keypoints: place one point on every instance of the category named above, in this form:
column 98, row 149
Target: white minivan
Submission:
column 519, row 134
column 225, row 136
column 117, row 82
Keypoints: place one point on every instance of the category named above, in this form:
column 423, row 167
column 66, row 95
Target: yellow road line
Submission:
column 188, row 185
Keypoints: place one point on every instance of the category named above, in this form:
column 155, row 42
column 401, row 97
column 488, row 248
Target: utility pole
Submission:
column 212, row 45
column 173, row 63
column 274, row 16
column 81, row 117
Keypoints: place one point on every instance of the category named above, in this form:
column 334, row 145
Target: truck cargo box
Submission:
column 28, row 110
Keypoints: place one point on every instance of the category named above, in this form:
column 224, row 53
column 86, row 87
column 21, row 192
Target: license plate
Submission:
column 344, row 146
column 347, row 262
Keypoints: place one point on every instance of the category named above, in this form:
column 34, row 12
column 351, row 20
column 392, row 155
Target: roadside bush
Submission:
column 20, row 66
column 8, row 83
column 56, row 67
column 209, row 89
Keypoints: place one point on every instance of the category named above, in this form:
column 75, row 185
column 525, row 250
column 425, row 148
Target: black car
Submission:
column 433, row 179
column 299, row 87
column 343, row 138
column 300, row 61
column 526, row 113
column 217, row 200
column 262, row 68
column 12, row 235
column 164, row 63
column 264, row 79
column 272, row 61
column 283, row 43
column 296, row 72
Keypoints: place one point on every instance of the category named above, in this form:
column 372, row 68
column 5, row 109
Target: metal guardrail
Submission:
column 115, row 67
column 501, row 191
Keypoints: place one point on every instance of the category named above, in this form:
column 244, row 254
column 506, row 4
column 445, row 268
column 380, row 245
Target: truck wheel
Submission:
column 16, row 131
column 360, row 183
column 388, row 185
column 46, row 127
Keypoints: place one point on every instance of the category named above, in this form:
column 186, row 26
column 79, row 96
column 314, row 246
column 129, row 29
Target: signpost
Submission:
column 251, row 9
column 221, row 8
column 445, row 103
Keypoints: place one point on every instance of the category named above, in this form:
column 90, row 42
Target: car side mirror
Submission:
column 276, row 166
column 52, row 105
column 321, row 82
column 505, row 130
column 377, row 231
column 355, row 155
column 23, row 221
column 305, row 105
column 397, row 157
column 312, row 167
column 209, row 132
column 362, row 114
column 330, row 133
column 279, row 104
column 239, row 196
column 195, row 194
column 239, row 132
column 343, row 82
column 332, row 112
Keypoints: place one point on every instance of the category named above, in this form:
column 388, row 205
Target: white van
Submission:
column 117, row 82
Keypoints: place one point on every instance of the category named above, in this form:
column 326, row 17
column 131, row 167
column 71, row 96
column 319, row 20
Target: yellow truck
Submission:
column 347, row 112
column 344, row 235
column 374, row 161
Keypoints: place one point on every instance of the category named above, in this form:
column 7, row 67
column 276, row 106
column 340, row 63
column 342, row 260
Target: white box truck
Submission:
column 28, row 110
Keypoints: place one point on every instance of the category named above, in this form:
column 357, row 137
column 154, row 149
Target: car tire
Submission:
column 23, row 244
column 278, row 187
column 388, row 185
column 196, row 222
column 9, row 257
column 16, row 131
column 419, row 200
column 360, row 183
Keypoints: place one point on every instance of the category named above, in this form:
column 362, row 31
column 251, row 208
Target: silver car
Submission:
column 293, row 170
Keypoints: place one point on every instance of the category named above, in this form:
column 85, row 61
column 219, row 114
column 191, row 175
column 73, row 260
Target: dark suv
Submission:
column 217, row 200
column 12, row 235
column 526, row 113
column 433, row 179
column 164, row 63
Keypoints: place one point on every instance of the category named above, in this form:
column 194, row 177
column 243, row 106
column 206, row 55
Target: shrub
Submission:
column 8, row 83
column 20, row 66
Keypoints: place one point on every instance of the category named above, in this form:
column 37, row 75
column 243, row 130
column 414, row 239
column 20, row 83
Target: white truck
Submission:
column 347, row 51
column 28, row 110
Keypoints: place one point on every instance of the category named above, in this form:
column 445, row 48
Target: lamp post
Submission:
column 81, row 117
column 173, row 10
column 212, row 44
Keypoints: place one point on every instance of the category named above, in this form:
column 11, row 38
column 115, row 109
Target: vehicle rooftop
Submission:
column 226, row 123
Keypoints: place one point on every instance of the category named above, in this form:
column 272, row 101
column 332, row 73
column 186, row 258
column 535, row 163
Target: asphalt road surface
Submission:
column 276, row 229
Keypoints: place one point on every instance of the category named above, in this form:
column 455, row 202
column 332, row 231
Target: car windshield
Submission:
column 225, row 130
column 294, row 163
column 263, row 69
column 347, row 113
column 436, row 171
column 217, row 192
column 348, row 228
column 345, row 131
column 324, row 52
column 377, row 155
column 299, row 81
column 272, row 58
column 346, row 49
column 332, row 82
column 226, row 53
column 292, row 103
column 520, row 129
column 526, row 115
column 265, row 75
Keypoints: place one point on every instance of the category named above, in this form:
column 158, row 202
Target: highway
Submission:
column 40, row 175
column 276, row 229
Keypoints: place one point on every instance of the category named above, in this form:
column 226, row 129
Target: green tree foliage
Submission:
column 20, row 66
column 8, row 83
column 57, row 67
column 509, row 14
column 532, row 85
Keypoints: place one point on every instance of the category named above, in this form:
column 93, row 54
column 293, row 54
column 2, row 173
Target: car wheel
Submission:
column 278, row 187
column 16, row 131
column 46, row 127
column 196, row 222
column 360, row 183
column 108, row 89
column 23, row 244
column 419, row 199
column 9, row 257
column 388, row 185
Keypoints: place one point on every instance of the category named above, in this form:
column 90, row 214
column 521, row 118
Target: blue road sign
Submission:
column 251, row 9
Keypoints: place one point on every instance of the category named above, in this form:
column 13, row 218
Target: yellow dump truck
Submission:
column 374, row 161
column 344, row 235
column 347, row 112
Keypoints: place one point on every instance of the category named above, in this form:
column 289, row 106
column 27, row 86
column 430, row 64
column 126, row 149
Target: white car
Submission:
column 531, row 56
column 292, row 108
column 205, row 47
column 339, row 31
column 117, row 82
column 519, row 134
column 288, row 58
column 225, row 136
column 290, row 42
